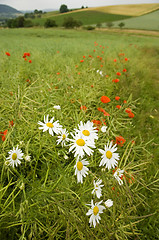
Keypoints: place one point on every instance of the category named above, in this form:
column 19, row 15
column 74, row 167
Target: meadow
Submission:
column 108, row 80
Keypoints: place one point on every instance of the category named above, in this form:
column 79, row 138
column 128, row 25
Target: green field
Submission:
column 40, row 198
column 86, row 17
column 147, row 22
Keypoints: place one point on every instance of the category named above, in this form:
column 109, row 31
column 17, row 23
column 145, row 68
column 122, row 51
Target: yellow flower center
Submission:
column 109, row 154
column 49, row 124
column 79, row 166
column 95, row 210
column 63, row 137
column 14, row 156
column 86, row 132
column 80, row 142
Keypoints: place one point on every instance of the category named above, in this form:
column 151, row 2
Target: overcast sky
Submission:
column 55, row 4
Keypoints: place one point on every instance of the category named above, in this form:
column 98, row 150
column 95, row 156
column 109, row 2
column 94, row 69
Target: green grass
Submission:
column 146, row 22
column 41, row 199
column 86, row 17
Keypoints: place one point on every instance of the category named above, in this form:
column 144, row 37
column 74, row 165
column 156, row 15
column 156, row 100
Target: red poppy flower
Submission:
column 26, row 54
column 105, row 99
column 98, row 57
column 115, row 80
column 106, row 114
column 118, row 73
column 28, row 81
column 120, row 141
column 124, row 101
column 128, row 110
column 126, row 59
column 115, row 60
column 101, row 65
column 103, row 111
column 30, row 61
column 8, row 54
column 90, row 56
column 117, row 98
column 131, row 115
column 25, row 59
column 102, row 51
column 94, row 50
column 97, row 124
column 3, row 135
column 58, row 73
column 84, row 57
column 83, row 108
column 118, row 106
column 92, row 86
column 124, row 70
column 81, row 60
column 11, row 123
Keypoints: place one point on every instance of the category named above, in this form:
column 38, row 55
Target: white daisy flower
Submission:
column 57, row 107
column 97, row 188
column 94, row 212
column 103, row 129
column 49, row 125
column 81, row 146
column 27, row 158
column 81, row 170
column 109, row 157
column 14, row 156
column 88, row 131
column 65, row 157
column 100, row 72
column 108, row 203
column 119, row 175
column 63, row 137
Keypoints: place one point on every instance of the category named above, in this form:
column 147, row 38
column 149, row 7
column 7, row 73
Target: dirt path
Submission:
column 133, row 31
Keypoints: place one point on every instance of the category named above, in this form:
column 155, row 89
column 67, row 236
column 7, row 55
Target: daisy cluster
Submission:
column 82, row 144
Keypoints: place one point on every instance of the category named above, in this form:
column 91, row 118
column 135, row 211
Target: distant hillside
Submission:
column 130, row 9
column 8, row 12
column 7, row 9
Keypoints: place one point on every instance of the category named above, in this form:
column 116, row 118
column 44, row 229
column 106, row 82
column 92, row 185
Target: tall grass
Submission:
column 41, row 199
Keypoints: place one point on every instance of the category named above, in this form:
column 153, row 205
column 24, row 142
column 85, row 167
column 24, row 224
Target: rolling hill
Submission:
column 8, row 12
column 95, row 15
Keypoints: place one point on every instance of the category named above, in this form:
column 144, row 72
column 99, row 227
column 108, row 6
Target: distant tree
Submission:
column 9, row 23
column 82, row 7
column 28, row 23
column 50, row 23
column 98, row 25
column 109, row 24
column 121, row 25
column 16, row 23
column 36, row 11
column 71, row 23
column 26, row 15
column 89, row 28
column 63, row 8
